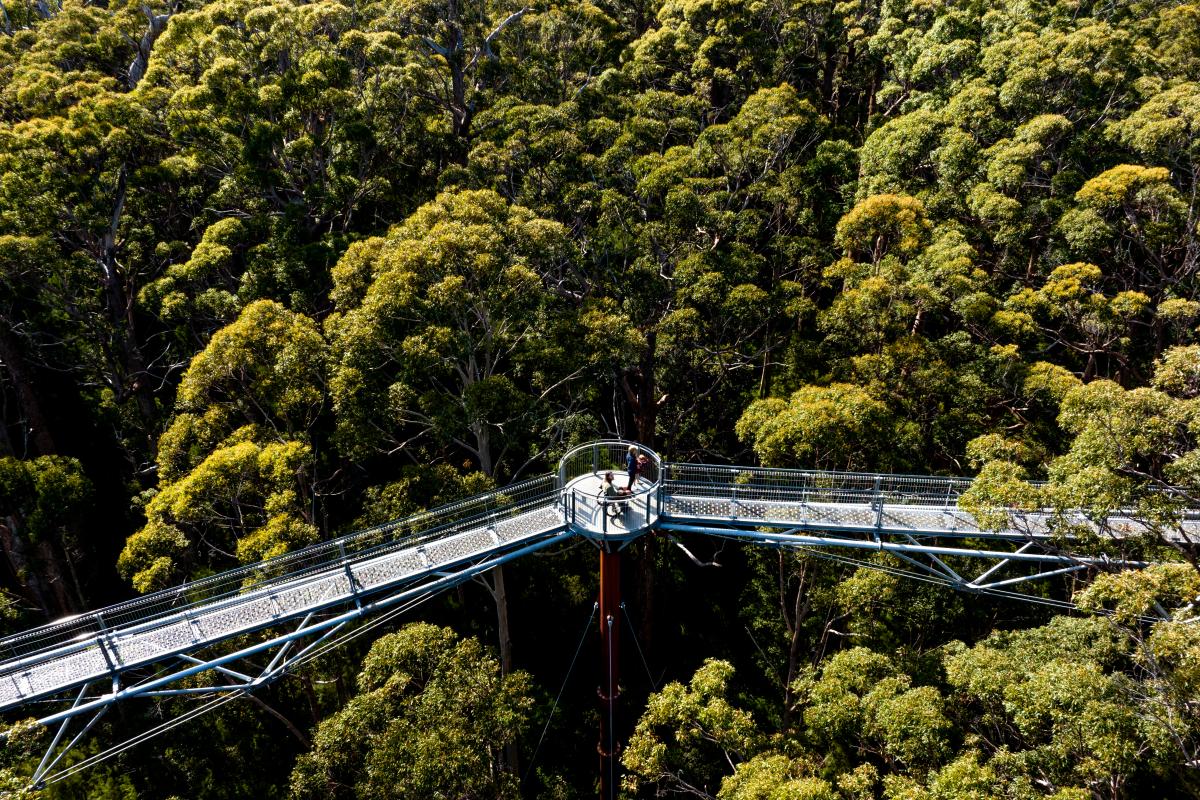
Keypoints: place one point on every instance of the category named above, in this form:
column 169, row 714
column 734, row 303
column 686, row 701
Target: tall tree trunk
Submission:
column 129, row 377
column 801, row 605
column 36, row 423
column 638, row 385
column 483, row 447
column 156, row 24
column 29, row 582
column 499, row 592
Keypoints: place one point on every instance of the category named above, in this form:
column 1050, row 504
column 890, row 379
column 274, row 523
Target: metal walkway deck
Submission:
column 366, row 571
column 361, row 567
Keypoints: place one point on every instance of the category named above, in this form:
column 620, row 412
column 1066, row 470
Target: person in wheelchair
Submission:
column 610, row 492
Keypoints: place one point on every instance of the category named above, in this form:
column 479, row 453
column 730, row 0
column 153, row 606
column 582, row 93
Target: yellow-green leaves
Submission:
column 432, row 720
column 266, row 366
column 839, row 426
column 1072, row 308
column 1050, row 381
column 1129, row 201
column 859, row 698
column 1141, row 593
column 244, row 495
column 450, row 327
column 154, row 557
column 1000, row 485
column 683, row 727
column 775, row 777
column 1178, row 372
column 882, row 224
column 204, row 285
column 1050, row 695
column 1165, row 126
column 235, row 464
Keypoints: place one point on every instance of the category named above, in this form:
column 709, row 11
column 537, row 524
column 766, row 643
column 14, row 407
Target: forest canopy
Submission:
column 274, row 271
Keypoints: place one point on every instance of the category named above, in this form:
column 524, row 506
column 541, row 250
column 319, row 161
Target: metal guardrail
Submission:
column 587, row 511
column 268, row 575
column 792, row 485
column 662, row 488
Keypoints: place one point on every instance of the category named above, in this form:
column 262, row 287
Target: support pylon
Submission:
column 610, row 673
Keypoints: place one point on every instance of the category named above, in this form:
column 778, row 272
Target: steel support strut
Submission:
column 792, row 537
column 610, row 653
column 47, row 763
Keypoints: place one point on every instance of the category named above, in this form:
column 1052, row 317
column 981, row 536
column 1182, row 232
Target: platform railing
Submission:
column 582, row 507
column 268, row 575
column 813, row 486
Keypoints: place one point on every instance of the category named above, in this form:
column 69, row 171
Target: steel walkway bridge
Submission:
column 148, row 647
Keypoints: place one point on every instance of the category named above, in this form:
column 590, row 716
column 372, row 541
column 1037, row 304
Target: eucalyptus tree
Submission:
column 237, row 464
column 432, row 717
column 452, row 336
column 454, row 341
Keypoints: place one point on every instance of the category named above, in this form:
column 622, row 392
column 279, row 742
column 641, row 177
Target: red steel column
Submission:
column 610, row 655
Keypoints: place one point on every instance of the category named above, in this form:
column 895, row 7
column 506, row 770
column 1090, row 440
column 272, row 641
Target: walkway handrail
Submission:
column 817, row 485
column 900, row 513
column 600, row 456
column 268, row 575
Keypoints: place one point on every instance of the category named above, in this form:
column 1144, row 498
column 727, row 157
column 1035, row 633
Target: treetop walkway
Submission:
column 314, row 592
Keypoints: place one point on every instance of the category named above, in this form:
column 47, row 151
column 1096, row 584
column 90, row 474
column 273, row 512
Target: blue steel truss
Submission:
column 296, row 602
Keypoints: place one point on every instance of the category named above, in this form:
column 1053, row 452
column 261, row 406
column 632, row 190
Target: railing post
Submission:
column 878, row 503
column 350, row 579
column 102, row 641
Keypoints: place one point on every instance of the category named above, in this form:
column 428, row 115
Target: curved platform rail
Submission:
column 61, row 655
column 632, row 512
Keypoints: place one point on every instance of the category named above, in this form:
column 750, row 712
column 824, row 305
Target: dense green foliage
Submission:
column 271, row 271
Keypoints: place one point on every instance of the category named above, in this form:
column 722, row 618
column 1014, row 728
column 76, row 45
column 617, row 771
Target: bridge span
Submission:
column 313, row 593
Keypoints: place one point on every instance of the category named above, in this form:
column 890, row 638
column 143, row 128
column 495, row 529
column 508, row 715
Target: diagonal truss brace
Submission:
column 279, row 665
column 941, row 570
column 245, row 683
column 282, row 660
column 907, row 551
column 49, row 760
column 364, row 608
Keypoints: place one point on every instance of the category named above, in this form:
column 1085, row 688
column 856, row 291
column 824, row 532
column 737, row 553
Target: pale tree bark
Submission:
column 463, row 72
column 157, row 23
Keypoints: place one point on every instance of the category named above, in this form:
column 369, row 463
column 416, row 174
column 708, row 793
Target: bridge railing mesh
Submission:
column 268, row 575
column 813, row 486
column 597, row 458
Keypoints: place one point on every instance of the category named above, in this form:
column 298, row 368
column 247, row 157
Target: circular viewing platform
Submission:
column 622, row 516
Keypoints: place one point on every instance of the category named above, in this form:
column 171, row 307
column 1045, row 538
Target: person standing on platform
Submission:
column 631, row 465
